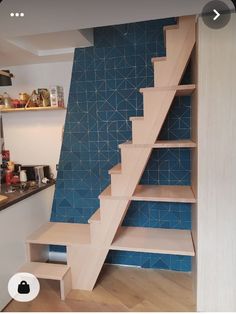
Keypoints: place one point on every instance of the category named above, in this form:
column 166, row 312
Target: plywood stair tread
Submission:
column 175, row 144
column 154, row 240
column 136, row 118
column 106, row 193
column 159, row 59
column 170, row 27
column 115, row 169
column 96, row 217
column 181, row 90
column 163, row 144
column 167, row 29
column 45, row 270
column 61, row 234
column 156, row 193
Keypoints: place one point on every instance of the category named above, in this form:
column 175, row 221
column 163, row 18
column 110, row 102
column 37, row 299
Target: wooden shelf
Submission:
column 163, row 144
column 156, row 193
column 175, row 144
column 61, row 234
column 181, row 90
column 32, row 109
column 153, row 240
column 96, row 217
column 164, row 193
column 45, row 270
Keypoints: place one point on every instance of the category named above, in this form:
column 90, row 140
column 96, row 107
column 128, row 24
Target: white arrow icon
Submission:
column 217, row 14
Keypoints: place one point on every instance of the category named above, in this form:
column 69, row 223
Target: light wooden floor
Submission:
column 120, row 289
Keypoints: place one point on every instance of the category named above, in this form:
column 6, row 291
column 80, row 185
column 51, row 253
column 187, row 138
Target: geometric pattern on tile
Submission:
column 104, row 93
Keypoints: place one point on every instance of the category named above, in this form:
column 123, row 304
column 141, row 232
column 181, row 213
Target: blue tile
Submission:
column 104, row 93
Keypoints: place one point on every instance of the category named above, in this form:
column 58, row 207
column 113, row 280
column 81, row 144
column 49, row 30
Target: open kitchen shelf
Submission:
column 32, row 109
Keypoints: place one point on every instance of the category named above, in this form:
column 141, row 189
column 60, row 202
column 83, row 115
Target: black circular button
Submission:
column 216, row 14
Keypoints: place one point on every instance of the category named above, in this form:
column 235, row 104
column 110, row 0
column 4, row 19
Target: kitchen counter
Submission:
column 17, row 196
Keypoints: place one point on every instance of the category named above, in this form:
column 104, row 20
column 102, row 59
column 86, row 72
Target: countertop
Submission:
column 18, row 196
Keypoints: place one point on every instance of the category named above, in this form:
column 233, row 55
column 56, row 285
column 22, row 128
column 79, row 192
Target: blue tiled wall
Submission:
column 104, row 93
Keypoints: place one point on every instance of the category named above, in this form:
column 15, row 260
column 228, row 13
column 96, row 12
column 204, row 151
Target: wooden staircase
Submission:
column 88, row 244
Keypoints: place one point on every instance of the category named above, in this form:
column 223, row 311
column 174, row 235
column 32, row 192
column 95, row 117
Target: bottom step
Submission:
column 51, row 271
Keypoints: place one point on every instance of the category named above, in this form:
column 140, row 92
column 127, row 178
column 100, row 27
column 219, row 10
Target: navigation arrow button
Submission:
column 217, row 14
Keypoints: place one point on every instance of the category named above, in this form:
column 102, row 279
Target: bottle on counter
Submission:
column 23, row 176
column 8, row 178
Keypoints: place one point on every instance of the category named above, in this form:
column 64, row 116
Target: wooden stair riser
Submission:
column 169, row 28
column 171, row 37
column 178, row 53
column 130, row 156
column 147, row 130
column 157, row 104
column 135, row 158
column 110, row 205
column 103, row 232
column 187, row 21
column 85, row 262
column 137, row 131
column 95, row 228
column 118, row 184
column 163, row 77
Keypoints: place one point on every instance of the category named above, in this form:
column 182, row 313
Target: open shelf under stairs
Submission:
column 163, row 144
column 157, row 193
column 138, row 239
column 154, row 240
column 181, row 90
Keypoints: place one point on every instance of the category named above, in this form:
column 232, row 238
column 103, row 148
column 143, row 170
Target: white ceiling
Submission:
column 51, row 29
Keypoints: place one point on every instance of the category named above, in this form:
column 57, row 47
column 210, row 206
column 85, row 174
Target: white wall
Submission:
column 216, row 208
column 17, row 222
column 35, row 137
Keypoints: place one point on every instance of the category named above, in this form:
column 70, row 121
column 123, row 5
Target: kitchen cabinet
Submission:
column 16, row 223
